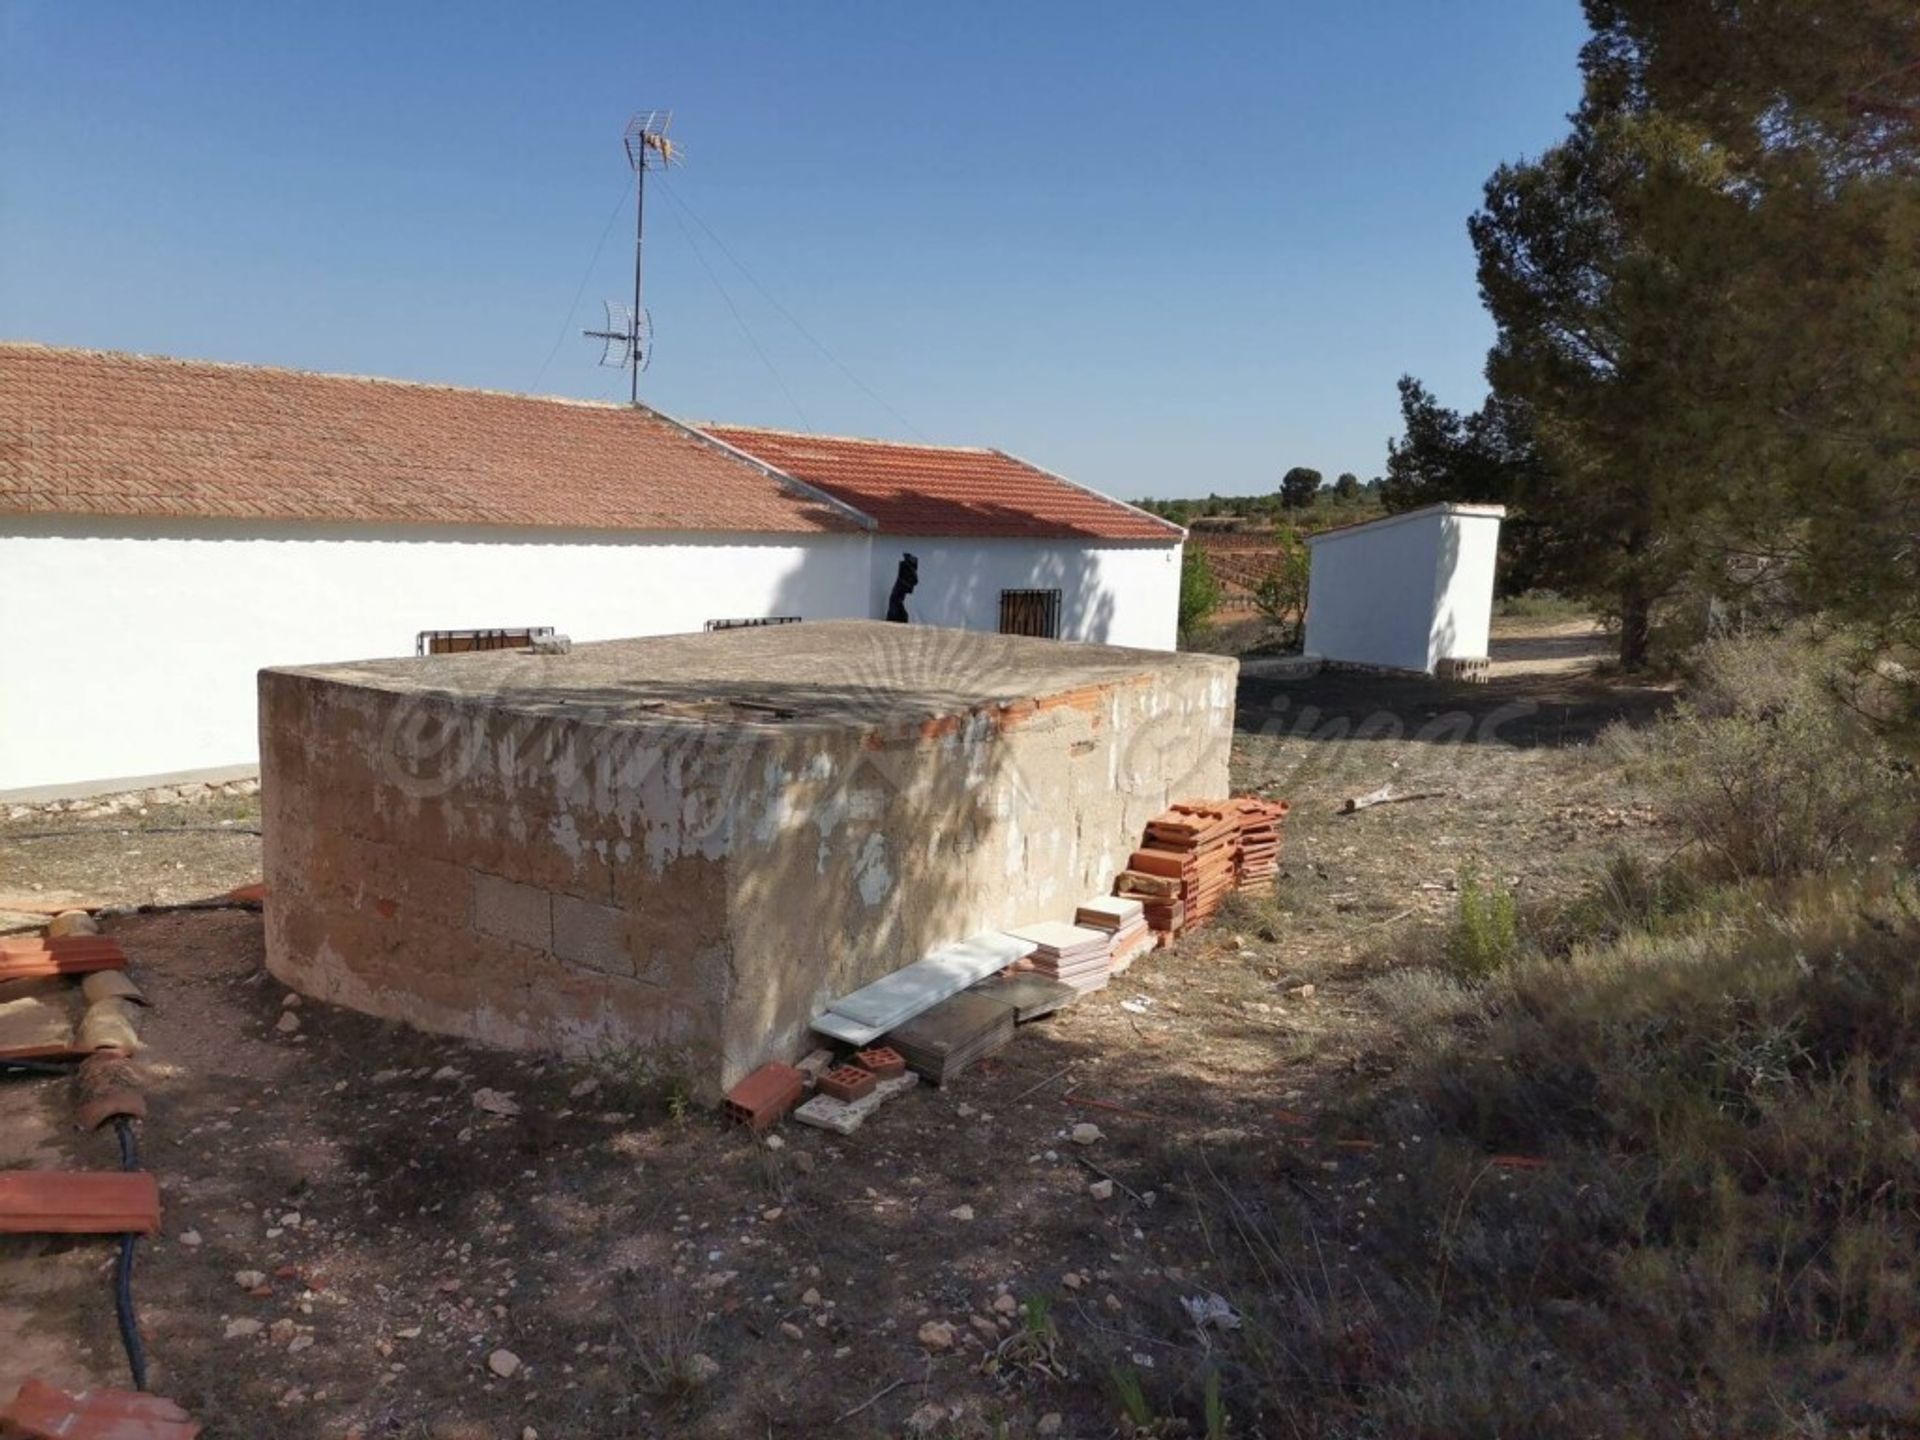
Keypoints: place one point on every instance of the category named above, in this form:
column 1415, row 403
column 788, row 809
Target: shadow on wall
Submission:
column 1446, row 627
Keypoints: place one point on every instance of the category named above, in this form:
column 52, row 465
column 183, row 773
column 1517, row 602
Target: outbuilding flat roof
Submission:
column 942, row 490
column 1445, row 507
column 105, row 433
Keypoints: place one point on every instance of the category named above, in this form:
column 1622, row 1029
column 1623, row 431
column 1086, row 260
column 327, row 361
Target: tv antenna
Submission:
column 627, row 340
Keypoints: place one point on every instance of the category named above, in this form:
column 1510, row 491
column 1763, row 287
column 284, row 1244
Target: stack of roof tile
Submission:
column 1125, row 921
column 941, row 1042
column 1075, row 955
column 1201, row 835
column 1153, row 878
column 1256, row 857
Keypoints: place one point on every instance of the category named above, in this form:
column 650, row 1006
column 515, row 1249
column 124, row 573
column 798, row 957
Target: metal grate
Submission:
column 1030, row 612
column 458, row 642
column 753, row 624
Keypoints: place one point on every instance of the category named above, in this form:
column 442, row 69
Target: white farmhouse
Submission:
column 168, row 528
column 1413, row 591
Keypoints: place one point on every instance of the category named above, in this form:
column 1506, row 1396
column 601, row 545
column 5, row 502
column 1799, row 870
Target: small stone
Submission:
column 290, row 1001
column 190, row 1238
column 928, row 1419
column 1085, row 1134
column 249, row 1279
column 504, row 1363
column 1072, row 1280
column 811, row 1299
column 961, row 1212
column 986, row 1328
column 1113, row 1302
column 299, row 1343
column 495, row 1102
column 1101, row 1189
column 1050, row 1423
column 803, row 1162
column 289, row 1022
column 445, row 1072
column 243, row 1329
column 774, row 1142
column 937, row 1335
column 282, row 1331
column 702, row 1368
column 1006, row 1305
column 773, row 1212
column 583, row 1089
column 792, row 1331
column 291, row 1220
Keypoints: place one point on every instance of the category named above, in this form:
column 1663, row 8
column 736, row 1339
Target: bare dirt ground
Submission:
column 402, row 1235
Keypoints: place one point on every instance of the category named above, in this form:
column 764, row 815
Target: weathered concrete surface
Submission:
column 689, row 844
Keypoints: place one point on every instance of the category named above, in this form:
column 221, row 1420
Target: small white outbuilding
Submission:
column 1409, row 592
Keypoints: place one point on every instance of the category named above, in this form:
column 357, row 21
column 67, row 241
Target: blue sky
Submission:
column 1164, row 249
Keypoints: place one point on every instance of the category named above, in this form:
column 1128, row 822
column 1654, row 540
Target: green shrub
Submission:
column 1764, row 767
column 1542, row 605
column 1200, row 590
column 1485, row 938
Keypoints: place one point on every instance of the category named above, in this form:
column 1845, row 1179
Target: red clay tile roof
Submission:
column 946, row 490
column 87, row 432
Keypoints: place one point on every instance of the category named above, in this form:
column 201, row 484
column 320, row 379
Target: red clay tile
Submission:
column 78, row 1202
column 848, row 1082
column 883, row 1060
column 106, row 1088
column 253, row 894
column 945, row 489
column 765, row 1095
column 99, row 433
column 59, row 945
column 40, row 1412
column 1157, row 862
column 38, row 967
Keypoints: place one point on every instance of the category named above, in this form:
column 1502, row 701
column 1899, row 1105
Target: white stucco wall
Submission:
column 1404, row 592
column 132, row 648
column 1463, row 618
column 1111, row 594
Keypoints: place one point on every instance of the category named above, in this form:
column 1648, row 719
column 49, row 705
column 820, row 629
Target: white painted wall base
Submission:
column 133, row 645
column 137, row 644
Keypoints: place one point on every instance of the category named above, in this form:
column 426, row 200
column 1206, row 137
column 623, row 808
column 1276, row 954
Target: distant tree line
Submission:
column 1301, row 492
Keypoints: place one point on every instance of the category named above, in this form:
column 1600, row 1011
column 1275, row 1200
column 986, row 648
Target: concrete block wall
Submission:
column 588, row 875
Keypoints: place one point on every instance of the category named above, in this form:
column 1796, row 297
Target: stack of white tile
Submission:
column 1072, row 954
column 871, row 1011
column 1125, row 920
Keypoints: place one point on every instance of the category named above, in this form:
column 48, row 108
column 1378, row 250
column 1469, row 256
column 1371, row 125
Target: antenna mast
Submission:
column 628, row 336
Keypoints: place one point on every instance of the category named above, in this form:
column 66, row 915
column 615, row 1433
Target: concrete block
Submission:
column 843, row 1117
column 508, row 910
column 591, row 935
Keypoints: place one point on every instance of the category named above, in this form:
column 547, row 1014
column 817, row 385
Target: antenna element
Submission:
column 628, row 336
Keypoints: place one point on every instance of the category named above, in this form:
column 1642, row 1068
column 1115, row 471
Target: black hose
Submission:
column 39, row 1067
column 123, row 1269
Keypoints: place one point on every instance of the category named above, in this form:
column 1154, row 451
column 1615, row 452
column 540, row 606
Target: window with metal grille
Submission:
column 456, row 642
column 1030, row 612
